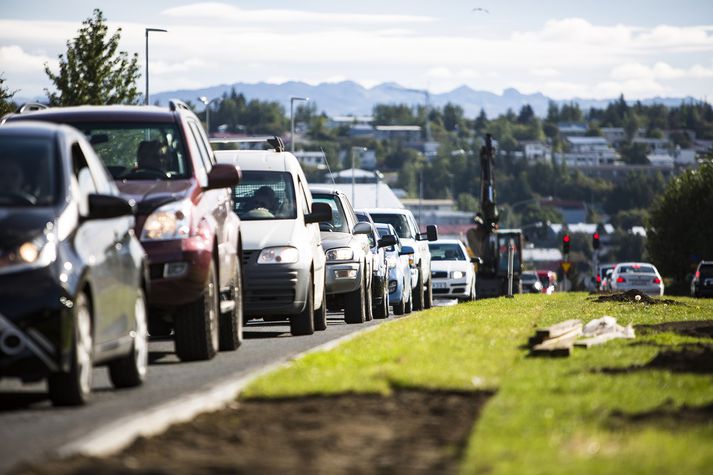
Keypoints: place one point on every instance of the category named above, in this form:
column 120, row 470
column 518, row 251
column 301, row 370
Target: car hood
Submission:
column 332, row 240
column 449, row 266
column 150, row 194
column 260, row 234
column 22, row 224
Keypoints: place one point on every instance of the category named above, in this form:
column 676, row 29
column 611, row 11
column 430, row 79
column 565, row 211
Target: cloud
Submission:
column 15, row 60
column 660, row 70
column 545, row 72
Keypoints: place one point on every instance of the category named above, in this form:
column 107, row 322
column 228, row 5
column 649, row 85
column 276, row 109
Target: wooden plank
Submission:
column 559, row 346
column 558, row 329
column 597, row 340
column 556, row 351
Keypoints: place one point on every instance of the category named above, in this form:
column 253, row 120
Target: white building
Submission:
column 536, row 151
column 588, row 151
column 311, row 159
column 615, row 136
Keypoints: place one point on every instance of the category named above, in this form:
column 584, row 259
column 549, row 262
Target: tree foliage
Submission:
column 93, row 70
column 6, row 104
column 680, row 228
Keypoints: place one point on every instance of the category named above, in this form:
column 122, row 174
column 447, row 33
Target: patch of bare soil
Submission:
column 633, row 296
column 694, row 358
column 694, row 328
column 406, row 433
column 666, row 416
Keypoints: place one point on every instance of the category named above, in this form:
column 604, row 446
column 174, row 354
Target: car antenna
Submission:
column 324, row 157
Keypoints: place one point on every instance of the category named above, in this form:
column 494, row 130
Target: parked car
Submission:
column 408, row 231
column 380, row 268
column 399, row 259
column 452, row 270
column 602, row 271
column 283, row 259
column 73, row 278
column 548, row 279
column 349, row 261
column 530, row 282
column 641, row 276
column 160, row 158
column 702, row 282
column 606, row 281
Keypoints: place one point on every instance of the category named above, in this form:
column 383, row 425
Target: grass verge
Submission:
column 628, row 406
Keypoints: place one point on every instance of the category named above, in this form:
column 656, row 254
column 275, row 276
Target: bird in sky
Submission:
column 481, row 9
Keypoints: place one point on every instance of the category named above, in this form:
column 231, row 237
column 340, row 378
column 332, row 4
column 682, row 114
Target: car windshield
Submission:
column 28, row 175
column 265, row 195
column 139, row 151
column 528, row 278
column 706, row 269
column 636, row 269
column 398, row 221
column 339, row 220
column 446, row 252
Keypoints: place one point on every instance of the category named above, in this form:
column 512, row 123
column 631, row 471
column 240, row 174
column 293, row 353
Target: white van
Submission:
column 282, row 256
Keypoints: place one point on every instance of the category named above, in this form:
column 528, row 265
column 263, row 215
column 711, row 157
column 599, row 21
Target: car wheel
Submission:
column 320, row 315
column 400, row 306
column 409, row 304
column 368, row 302
column 303, row 323
column 196, row 324
column 231, row 322
column 382, row 311
column 75, row 387
column 354, row 308
column 130, row 370
column 428, row 297
column 418, row 296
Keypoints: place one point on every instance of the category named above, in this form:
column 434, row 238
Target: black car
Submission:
column 72, row 275
column 702, row 283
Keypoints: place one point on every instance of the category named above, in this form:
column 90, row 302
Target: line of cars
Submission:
column 120, row 222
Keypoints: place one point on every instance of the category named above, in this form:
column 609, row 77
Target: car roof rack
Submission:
column 274, row 141
column 31, row 106
column 175, row 104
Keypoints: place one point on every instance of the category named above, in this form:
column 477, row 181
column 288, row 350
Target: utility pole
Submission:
column 292, row 120
column 148, row 30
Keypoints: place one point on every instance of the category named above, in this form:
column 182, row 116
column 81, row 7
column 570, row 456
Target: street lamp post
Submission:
column 292, row 120
column 207, row 104
column 146, row 96
column 360, row 149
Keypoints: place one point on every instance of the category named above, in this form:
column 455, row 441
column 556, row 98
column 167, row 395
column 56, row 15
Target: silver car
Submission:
column 637, row 275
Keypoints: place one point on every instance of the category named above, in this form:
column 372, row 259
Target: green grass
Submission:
column 548, row 415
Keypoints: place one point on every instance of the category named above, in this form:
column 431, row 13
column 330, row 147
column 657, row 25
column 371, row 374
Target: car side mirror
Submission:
column 108, row 207
column 406, row 251
column 361, row 228
column 386, row 241
column 431, row 234
column 476, row 260
column 321, row 212
column 223, row 175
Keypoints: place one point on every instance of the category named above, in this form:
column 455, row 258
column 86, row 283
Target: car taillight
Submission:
column 657, row 280
column 599, row 279
column 698, row 274
column 619, row 280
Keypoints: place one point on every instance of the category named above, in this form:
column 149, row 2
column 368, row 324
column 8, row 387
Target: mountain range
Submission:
column 351, row 98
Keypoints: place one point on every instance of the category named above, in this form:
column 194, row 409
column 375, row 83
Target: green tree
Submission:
column 94, row 71
column 6, row 104
column 680, row 231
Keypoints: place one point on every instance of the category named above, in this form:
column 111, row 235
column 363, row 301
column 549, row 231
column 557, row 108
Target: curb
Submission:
column 155, row 420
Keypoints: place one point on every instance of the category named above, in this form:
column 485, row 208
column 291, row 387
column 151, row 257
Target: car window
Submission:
column 139, row 151
column 446, row 252
column 398, row 221
column 28, row 172
column 265, row 195
column 202, row 152
column 636, row 269
column 305, row 201
column 339, row 219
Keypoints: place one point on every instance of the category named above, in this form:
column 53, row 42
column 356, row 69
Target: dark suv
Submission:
column 702, row 282
column 161, row 159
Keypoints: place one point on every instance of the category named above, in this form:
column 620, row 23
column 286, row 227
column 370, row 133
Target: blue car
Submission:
column 400, row 262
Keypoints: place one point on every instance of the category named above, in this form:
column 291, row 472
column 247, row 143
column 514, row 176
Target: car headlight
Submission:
column 278, row 255
column 340, row 254
column 171, row 221
column 39, row 252
column 456, row 274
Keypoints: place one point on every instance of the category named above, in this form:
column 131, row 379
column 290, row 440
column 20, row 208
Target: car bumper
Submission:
column 653, row 290
column 273, row 289
column 702, row 291
column 343, row 277
column 35, row 325
column 178, row 272
column 450, row 288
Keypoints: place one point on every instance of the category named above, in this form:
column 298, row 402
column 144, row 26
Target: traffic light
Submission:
column 595, row 241
column 565, row 244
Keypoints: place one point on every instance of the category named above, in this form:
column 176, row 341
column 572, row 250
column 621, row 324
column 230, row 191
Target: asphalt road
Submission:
column 31, row 427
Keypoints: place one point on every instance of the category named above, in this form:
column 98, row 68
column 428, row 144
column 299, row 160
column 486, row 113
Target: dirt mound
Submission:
column 694, row 358
column 667, row 416
column 633, row 296
column 409, row 432
column 695, row 328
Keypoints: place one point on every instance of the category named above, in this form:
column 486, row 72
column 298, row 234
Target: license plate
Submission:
column 440, row 285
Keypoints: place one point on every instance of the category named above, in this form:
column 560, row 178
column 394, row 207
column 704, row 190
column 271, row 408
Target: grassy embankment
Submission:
column 549, row 415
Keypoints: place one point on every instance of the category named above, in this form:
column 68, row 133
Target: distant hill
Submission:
column 348, row 97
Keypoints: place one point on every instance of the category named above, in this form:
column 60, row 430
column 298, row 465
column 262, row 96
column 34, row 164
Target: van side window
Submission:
column 305, row 201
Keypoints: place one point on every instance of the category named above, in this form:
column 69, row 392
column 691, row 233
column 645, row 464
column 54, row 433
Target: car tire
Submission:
column 303, row 323
column 231, row 323
column 320, row 315
column 368, row 302
column 383, row 310
column 130, row 370
column 418, row 297
column 409, row 305
column 75, row 387
column 400, row 307
column 428, row 295
column 354, row 309
column 196, row 324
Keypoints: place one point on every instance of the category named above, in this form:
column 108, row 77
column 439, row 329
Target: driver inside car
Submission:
column 151, row 155
column 262, row 203
column 12, row 180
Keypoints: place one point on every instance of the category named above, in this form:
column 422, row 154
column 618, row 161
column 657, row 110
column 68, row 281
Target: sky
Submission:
column 564, row 49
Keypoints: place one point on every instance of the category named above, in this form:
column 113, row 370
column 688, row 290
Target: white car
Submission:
column 637, row 275
column 452, row 270
column 284, row 265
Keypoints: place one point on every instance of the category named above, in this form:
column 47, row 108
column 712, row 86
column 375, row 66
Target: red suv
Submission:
column 161, row 159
